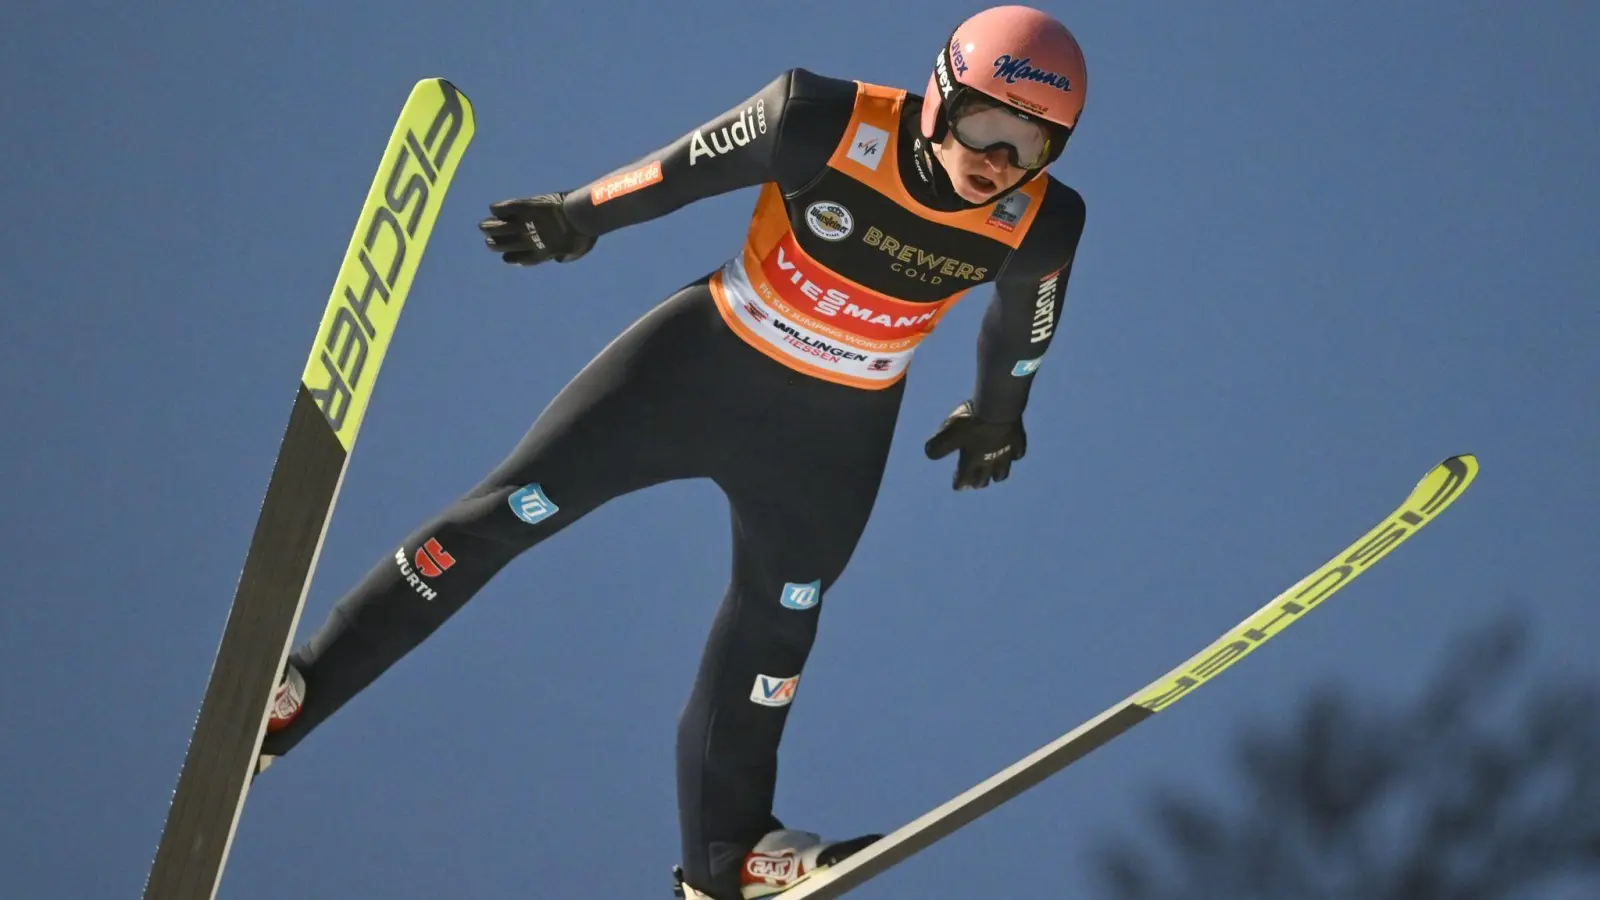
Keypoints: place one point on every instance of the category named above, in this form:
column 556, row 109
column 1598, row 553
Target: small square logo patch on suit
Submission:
column 772, row 691
column 531, row 505
column 1008, row 212
column 868, row 146
column 1026, row 366
column 802, row 596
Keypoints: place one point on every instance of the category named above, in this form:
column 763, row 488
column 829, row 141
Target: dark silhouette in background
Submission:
column 1486, row 786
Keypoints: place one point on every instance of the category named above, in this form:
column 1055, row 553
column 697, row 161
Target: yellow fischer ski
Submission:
column 426, row 146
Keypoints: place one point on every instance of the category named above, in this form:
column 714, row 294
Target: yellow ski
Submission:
column 1432, row 496
column 426, row 146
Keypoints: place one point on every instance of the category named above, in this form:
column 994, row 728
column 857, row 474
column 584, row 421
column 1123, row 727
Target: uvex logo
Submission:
column 945, row 87
column 957, row 58
column 432, row 559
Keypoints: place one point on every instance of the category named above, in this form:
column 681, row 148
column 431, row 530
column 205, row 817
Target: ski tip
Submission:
column 440, row 81
column 444, row 85
column 1443, row 484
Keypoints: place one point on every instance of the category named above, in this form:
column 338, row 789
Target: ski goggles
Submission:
column 982, row 124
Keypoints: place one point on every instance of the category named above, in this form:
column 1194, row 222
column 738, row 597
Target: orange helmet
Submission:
column 1018, row 59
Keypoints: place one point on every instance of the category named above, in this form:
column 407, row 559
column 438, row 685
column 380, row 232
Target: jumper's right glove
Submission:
column 530, row 230
column 987, row 448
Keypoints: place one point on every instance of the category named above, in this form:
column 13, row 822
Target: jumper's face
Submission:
column 977, row 175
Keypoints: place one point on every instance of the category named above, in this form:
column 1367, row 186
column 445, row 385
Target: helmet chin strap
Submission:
column 933, row 171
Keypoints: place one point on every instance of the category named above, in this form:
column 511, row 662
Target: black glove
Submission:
column 987, row 448
column 531, row 230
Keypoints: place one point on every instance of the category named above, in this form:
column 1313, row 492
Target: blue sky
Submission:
column 1326, row 247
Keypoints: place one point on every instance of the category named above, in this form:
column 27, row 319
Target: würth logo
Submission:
column 432, row 560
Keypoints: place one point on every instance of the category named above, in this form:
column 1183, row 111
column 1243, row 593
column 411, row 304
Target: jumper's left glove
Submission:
column 987, row 448
column 531, row 230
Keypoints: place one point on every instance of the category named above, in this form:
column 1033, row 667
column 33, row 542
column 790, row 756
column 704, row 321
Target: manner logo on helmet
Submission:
column 1012, row 71
column 772, row 691
column 801, row 596
column 829, row 221
column 531, row 505
column 868, row 145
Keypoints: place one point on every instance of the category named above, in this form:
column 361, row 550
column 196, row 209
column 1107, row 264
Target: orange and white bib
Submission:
column 892, row 267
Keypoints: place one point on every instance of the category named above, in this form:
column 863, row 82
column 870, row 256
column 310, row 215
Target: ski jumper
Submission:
column 779, row 377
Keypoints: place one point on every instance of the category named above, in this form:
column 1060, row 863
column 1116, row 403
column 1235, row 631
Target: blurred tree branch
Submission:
column 1370, row 801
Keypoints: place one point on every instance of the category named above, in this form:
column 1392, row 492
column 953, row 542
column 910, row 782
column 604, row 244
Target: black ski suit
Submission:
column 779, row 377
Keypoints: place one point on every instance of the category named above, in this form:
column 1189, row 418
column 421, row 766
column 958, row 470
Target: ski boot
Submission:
column 286, row 703
column 781, row 860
